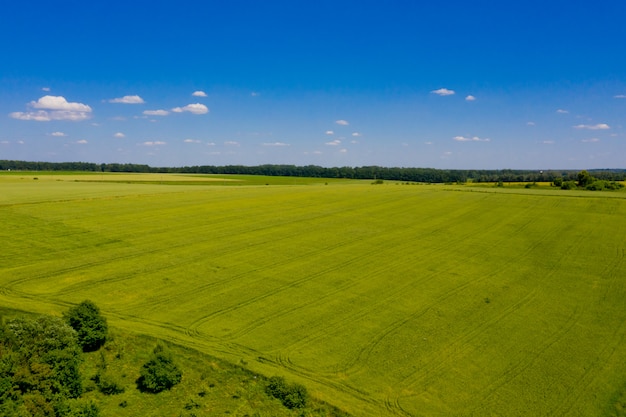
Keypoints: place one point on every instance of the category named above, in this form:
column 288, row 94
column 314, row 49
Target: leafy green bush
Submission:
column 159, row 373
column 89, row 324
column 39, row 366
column 568, row 185
column 108, row 385
column 291, row 395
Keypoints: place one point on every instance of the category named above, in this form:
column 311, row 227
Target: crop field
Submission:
column 391, row 299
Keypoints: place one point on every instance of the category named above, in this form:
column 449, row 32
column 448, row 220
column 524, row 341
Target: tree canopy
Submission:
column 90, row 326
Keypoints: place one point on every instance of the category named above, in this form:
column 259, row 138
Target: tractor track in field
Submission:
column 572, row 320
column 319, row 300
column 366, row 351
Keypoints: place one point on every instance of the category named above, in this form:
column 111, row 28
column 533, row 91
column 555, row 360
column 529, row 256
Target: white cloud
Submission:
column 54, row 108
column 199, row 94
column 154, row 143
column 599, row 126
column 119, row 135
column 191, row 141
column 472, row 139
column 276, row 144
column 428, row 143
column 343, row 150
column 470, row 98
column 231, row 143
column 210, row 144
column 530, row 123
column 58, row 134
column 335, row 142
column 156, row 112
column 40, row 116
column 46, row 116
column 443, row 92
column 254, row 94
column 592, row 140
column 128, row 100
column 620, row 96
column 59, row 103
column 4, row 142
column 196, row 108
column 81, row 142
column 342, row 122
column 548, row 142
column 356, row 134
column 330, row 132
column 45, row 88
column 561, row 111
column 354, row 142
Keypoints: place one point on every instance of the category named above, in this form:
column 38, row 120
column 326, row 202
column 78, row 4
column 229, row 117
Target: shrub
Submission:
column 89, row 324
column 568, row 185
column 108, row 385
column 291, row 395
column 159, row 373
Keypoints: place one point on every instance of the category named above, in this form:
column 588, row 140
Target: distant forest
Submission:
column 428, row 175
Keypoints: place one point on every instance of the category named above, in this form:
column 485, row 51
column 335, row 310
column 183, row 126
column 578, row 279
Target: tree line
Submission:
column 426, row 175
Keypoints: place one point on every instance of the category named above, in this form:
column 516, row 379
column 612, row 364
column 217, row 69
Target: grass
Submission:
column 210, row 386
column 382, row 300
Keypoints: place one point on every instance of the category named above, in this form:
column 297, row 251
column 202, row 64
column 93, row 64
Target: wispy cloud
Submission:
column 156, row 112
column 199, row 94
column 443, row 92
column 191, row 141
column 342, row 122
column 196, row 108
column 562, row 111
column 356, row 134
column 58, row 134
column 548, row 142
column 470, row 98
column 344, row 150
column 592, row 140
column 254, row 94
column 82, row 142
column 620, row 96
column 330, row 132
column 45, row 88
column 153, row 143
column 335, row 142
column 599, row 126
column 231, row 143
column 276, row 144
column 119, row 135
column 127, row 100
column 530, row 123
column 472, row 139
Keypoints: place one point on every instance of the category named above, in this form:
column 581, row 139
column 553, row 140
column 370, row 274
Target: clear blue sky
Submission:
column 444, row 84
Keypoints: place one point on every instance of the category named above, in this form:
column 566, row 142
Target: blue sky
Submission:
column 449, row 84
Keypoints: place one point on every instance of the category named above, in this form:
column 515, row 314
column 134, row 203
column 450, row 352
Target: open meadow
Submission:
column 388, row 299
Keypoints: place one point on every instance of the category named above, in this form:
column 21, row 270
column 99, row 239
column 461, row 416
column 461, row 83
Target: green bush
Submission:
column 159, row 373
column 89, row 324
column 291, row 395
column 568, row 185
column 108, row 385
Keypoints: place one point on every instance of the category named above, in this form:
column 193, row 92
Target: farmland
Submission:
column 386, row 299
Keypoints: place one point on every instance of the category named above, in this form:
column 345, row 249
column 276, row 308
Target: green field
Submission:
column 387, row 299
